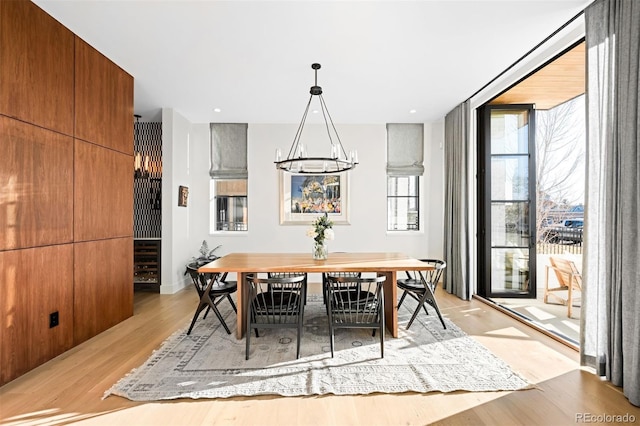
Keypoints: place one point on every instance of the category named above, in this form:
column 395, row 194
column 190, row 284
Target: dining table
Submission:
column 382, row 264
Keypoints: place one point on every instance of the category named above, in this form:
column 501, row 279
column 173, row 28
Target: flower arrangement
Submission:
column 321, row 230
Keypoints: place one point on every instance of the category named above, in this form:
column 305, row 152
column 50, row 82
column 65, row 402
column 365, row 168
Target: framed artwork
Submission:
column 303, row 197
column 183, row 195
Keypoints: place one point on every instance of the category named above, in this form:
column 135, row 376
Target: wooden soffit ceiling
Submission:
column 557, row 82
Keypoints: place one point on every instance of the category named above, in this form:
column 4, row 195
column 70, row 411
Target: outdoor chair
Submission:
column 355, row 302
column 569, row 280
column 212, row 289
column 275, row 303
column 421, row 286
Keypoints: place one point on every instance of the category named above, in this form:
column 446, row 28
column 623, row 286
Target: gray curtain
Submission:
column 405, row 149
column 456, row 204
column 228, row 151
column 610, row 339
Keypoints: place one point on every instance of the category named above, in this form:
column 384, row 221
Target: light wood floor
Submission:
column 69, row 388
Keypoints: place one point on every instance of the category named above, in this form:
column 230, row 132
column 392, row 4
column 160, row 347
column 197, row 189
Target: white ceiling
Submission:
column 252, row 59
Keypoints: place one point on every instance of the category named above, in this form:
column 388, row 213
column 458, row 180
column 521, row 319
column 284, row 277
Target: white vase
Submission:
column 320, row 251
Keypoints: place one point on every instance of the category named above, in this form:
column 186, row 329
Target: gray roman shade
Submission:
column 405, row 149
column 228, row 151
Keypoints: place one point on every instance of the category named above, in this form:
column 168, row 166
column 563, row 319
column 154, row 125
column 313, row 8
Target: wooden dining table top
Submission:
column 303, row 262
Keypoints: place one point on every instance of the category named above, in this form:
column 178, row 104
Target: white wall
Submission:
column 185, row 228
column 176, row 228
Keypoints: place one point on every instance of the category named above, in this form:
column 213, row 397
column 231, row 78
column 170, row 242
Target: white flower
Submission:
column 311, row 232
column 328, row 234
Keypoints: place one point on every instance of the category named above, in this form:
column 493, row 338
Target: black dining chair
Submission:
column 421, row 286
column 356, row 302
column 212, row 289
column 325, row 281
column 291, row 274
column 275, row 303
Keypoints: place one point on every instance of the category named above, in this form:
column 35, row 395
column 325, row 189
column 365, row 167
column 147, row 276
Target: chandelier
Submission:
column 298, row 160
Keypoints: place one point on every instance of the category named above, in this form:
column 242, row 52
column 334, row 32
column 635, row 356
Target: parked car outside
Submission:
column 568, row 230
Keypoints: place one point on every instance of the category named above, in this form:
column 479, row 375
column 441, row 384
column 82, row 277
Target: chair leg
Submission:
column 382, row 327
column 220, row 318
column 430, row 298
column 195, row 317
column 404, row 294
column 413, row 317
column 331, row 330
column 233, row 305
column 206, row 313
column 248, row 333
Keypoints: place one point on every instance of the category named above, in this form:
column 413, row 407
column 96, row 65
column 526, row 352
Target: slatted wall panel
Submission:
column 147, row 188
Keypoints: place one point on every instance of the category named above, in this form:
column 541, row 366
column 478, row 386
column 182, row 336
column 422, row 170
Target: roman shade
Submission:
column 405, row 149
column 228, row 151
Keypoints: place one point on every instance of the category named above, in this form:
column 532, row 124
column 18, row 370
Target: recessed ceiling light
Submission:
column 412, row 111
column 315, row 111
column 217, row 110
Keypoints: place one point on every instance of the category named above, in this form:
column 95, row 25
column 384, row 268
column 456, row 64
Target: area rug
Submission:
column 211, row 364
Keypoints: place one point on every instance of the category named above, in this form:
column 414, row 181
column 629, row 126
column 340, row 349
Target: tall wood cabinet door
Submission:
column 36, row 67
column 36, row 181
column 34, row 283
column 104, row 101
column 103, row 194
column 103, row 288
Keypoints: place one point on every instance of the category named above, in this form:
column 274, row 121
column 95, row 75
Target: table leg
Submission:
column 241, row 320
column 390, row 302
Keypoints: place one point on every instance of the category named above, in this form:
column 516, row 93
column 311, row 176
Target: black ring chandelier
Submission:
column 297, row 160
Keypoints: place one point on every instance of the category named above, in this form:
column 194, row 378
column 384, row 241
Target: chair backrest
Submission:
column 277, row 299
column 432, row 276
column 200, row 280
column 286, row 274
column 566, row 272
column 355, row 300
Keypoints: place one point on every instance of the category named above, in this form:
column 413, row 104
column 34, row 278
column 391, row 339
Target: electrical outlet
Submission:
column 54, row 319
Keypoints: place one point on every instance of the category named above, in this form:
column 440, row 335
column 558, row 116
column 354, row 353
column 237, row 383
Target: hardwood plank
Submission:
column 70, row 388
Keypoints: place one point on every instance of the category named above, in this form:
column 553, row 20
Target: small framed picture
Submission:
column 183, row 195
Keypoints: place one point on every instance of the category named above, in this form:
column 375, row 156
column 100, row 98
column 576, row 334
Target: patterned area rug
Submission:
column 211, row 364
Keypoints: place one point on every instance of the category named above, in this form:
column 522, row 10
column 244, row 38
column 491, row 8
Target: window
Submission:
column 403, row 201
column 228, row 205
column 228, row 188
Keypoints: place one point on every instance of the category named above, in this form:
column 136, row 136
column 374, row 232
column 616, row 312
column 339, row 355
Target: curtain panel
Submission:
column 405, row 149
column 456, row 204
column 228, row 151
column 610, row 338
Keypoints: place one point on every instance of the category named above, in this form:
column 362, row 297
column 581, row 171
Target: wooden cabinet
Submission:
column 146, row 265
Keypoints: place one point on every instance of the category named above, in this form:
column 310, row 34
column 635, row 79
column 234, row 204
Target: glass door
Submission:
column 507, row 201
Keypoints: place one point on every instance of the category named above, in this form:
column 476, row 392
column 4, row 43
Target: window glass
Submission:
column 403, row 201
column 228, row 205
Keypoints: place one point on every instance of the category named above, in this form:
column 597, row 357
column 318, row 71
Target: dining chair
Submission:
column 275, row 303
column 291, row 274
column 325, row 280
column 212, row 289
column 421, row 286
column 356, row 302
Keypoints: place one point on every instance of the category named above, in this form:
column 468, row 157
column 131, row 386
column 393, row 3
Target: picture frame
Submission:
column 304, row 197
column 183, row 196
